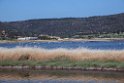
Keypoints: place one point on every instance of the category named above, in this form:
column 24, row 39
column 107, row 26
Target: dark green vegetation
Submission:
column 65, row 62
column 65, row 27
column 45, row 37
column 104, row 35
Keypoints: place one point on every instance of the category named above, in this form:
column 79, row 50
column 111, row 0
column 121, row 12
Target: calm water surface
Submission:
column 117, row 45
column 40, row 76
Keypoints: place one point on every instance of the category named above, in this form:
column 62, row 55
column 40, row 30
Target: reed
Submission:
column 40, row 54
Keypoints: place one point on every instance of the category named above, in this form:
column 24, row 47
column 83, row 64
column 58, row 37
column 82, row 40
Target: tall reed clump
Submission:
column 40, row 54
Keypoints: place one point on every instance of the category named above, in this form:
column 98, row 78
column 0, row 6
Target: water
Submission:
column 43, row 76
column 116, row 45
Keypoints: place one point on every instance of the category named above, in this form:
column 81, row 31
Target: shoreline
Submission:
column 101, row 69
column 93, row 39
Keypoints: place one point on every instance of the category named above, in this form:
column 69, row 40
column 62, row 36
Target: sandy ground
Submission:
column 93, row 39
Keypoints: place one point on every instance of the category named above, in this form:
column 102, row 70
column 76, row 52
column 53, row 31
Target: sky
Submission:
column 15, row 10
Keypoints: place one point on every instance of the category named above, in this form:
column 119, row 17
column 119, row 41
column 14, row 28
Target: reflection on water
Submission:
column 42, row 76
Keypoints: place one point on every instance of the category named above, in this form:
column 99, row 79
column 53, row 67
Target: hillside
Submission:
column 65, row 27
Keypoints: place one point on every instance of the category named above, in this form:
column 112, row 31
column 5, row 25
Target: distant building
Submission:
column 66, row 38
column 47, row 37
column 60, row 39
column 28, row 38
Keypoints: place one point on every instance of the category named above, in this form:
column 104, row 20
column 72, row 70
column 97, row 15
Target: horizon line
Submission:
column 50, row 18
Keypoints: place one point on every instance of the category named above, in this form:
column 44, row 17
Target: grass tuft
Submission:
column 62, row 57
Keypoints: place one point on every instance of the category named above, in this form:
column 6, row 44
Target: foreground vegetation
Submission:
column 65, row 63
column 61, row 57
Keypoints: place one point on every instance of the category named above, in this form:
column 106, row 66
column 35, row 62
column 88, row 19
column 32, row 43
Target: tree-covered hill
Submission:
column 65, row 27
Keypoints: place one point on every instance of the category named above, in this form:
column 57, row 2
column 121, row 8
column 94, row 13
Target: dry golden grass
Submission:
column 40, row 54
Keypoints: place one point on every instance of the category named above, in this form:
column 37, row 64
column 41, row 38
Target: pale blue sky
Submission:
column 13, row 10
